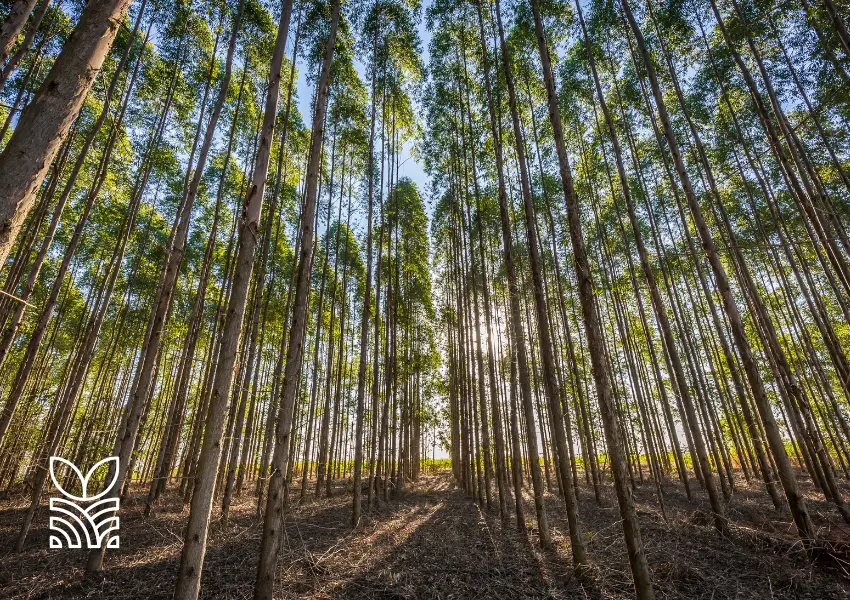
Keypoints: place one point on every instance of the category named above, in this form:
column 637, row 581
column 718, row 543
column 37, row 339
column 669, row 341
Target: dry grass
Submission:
column 435, row 542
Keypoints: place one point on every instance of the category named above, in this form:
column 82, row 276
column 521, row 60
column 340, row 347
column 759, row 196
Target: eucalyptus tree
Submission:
column 269, row 549
column 194, row 548
column 19, row 13
column 46, row 120
column 395, row 47
column 346, row 121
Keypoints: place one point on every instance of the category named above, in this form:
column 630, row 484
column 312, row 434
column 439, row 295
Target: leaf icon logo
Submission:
column 94, row 519
column 84, row 481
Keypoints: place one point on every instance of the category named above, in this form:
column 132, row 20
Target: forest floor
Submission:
column 434, row 542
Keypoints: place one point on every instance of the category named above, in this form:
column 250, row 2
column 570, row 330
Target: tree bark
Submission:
column 270, row 545
column 367, row 296
column 44, row 123
column 194, row 547
column 19, row 54
column 14, row 23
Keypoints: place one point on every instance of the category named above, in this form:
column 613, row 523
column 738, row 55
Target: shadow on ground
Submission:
column 435, row 543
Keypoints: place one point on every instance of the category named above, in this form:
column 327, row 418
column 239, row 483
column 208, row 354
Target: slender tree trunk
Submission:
column 22, row 50
column 14, row 24
column 44, row 123
column 540, row 303
column 501, row 477
column 276, row 384
column 324, row 432
column 194, row 548
column 367, row 295
column 270, row 546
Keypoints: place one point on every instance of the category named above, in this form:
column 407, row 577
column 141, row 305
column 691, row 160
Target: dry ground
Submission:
column 434, row 542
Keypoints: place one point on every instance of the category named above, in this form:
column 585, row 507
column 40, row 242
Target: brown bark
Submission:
column 194, row 548
column 22, row 50
column 367, row 296
column 270, row 545
column 515, row 315
column 14, row 24
column 46, row 120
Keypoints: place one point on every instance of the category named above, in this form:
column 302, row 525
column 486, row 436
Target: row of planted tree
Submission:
column 642, row 252
column 183, row 269
column 640, row 238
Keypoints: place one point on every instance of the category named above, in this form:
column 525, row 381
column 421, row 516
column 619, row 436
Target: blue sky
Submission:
column 410, row 166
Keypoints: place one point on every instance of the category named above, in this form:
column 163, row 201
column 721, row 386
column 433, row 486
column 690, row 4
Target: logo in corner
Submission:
column 89, row 517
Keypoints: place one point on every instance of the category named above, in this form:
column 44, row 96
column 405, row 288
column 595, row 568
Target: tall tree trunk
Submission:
column 194, row 548
column 501, row 477
column 367, row 295
column 270, row 546
column 22, row 50
column 324, row 432
column 613, row 435
column 44, row 123
column 14, row 23
column 278, row 370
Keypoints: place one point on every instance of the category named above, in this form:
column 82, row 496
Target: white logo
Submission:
column 74, row 520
